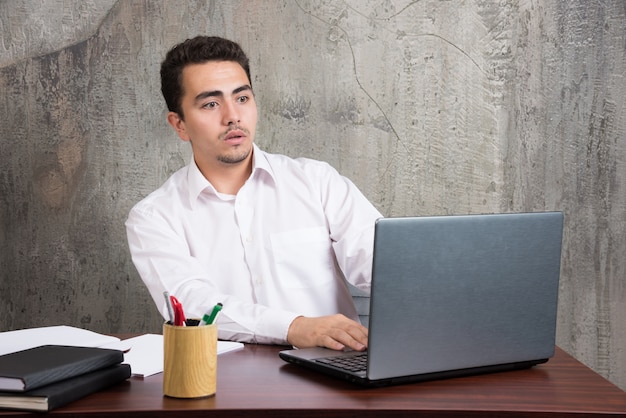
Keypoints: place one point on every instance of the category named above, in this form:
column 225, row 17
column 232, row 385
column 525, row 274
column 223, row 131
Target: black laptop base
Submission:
column 448, row 374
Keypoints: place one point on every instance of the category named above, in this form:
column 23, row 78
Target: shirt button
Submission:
column 248, row 239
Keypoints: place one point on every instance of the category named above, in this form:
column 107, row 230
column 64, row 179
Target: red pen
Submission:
column 179, row 314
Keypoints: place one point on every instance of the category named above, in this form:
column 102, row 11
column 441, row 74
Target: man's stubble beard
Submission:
column 236, row 158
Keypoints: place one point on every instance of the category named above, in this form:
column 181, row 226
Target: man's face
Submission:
column 220, row 114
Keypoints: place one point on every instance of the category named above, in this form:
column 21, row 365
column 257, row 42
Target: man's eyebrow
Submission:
column 206, row 94
column 218, row 93
column 242, row 88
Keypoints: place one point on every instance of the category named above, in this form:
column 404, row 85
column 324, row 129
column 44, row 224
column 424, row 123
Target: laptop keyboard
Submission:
column 352, row 363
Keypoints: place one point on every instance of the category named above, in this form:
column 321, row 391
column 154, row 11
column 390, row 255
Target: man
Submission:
column 269, row 237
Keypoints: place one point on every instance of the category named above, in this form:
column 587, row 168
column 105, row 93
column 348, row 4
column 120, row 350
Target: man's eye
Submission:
column 210, row 105
column 242, row 99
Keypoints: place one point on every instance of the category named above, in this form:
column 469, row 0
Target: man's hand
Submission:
column 334, row 331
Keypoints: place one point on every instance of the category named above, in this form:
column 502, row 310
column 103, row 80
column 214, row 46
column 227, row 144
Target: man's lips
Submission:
column 235, row 135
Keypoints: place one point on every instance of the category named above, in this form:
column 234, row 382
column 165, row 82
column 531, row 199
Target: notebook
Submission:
column 454, row 296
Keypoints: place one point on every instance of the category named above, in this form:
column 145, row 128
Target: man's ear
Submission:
column 178, row 124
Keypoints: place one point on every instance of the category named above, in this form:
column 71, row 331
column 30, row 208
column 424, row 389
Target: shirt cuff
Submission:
column 275, row 323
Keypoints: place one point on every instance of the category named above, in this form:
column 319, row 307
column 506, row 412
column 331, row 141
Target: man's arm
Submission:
column 163, row 260
column 351, row 218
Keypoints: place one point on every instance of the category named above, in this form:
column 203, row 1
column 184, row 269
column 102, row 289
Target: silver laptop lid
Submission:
column 454, row 292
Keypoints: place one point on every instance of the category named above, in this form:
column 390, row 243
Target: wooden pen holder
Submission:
column 190, row 361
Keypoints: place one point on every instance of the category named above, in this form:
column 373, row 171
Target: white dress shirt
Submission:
column 273, row 252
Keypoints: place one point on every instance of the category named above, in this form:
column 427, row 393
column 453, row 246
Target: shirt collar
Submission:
column 197, row 183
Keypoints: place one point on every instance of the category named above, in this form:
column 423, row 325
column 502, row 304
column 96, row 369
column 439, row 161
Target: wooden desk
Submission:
column 254, row 382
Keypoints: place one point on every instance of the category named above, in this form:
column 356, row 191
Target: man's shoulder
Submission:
column 282, row 161
column 170, row 192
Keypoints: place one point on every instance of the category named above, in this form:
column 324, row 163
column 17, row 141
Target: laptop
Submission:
column 454, row 296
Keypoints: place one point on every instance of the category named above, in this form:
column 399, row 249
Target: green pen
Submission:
column 210, row 319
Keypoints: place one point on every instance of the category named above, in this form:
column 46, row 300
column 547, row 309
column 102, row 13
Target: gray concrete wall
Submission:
column 431, row 107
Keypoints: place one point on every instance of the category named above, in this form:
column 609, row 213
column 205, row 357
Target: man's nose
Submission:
column 231, row 115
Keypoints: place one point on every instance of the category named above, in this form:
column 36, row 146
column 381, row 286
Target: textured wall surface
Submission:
column 430, row 107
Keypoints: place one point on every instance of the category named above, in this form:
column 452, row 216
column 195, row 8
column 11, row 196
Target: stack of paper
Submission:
column 12, row 341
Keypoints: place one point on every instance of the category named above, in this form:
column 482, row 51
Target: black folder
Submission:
column 49, row 397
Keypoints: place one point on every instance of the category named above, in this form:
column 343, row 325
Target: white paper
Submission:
column 146, row 353
column 226, row 346
column 11, row 341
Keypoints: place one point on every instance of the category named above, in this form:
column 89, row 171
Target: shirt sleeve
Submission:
column 162, row 258
column 351, row 221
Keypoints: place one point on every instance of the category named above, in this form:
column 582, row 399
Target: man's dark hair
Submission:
column 197, row 50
